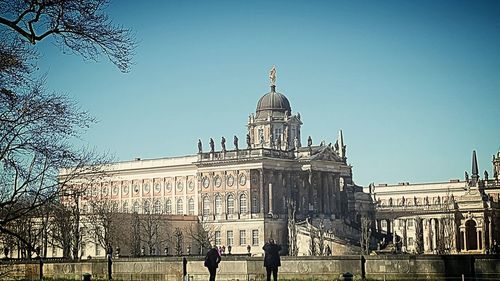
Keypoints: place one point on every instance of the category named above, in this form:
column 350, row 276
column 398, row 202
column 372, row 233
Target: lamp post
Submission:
column 40, row 260
column 110, row 261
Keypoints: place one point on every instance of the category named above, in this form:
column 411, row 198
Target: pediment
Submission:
column 325, row 153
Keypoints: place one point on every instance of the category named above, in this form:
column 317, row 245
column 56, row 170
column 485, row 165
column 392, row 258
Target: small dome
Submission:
column 272, row 102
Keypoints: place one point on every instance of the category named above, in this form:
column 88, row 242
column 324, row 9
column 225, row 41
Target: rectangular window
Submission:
column 255, row 205
column 409, row 223
column 217, row 238
column 243, row 237
column 410, row 241
column 230, row 240
column 255, row 237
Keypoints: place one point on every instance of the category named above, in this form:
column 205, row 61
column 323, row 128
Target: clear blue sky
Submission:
column 414, row 85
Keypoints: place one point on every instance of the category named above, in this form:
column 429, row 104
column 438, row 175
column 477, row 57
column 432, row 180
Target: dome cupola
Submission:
column 273, row 103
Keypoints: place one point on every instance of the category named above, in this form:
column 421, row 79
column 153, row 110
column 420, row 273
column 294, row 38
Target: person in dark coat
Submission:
column 272, row 259
column 212, row 260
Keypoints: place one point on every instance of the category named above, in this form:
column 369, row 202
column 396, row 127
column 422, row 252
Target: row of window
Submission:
column 156, row 206
column 409, row 223
column 230, row 200
column 243, row 237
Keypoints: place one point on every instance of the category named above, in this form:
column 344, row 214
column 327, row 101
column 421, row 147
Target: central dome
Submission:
column 273, row 102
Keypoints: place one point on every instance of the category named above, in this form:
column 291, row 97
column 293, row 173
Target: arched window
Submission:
column 125, row 207
column 243, row 203
column 180, row 207
column 168, row 206
column 191, row 206
column 218, row 205
column 471, row 235
column 255, row 205
column 115, row 207
column 147, row 207
column 136, row 207
column 156, row 207
column 230, row 204
column 206, row 206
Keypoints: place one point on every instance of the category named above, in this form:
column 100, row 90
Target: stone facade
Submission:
column 242, row 195
column 459, row 216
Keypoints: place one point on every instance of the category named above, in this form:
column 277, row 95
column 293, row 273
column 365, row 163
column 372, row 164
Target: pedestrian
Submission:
column 495, row 249
column 272, row 259
column 212, row 260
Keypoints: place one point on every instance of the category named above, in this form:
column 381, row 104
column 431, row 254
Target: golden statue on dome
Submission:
column 272, row 76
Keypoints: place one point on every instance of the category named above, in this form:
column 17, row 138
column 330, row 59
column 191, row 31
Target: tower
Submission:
column 273, row 125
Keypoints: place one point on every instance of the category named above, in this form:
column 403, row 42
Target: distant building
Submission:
column 459, row 216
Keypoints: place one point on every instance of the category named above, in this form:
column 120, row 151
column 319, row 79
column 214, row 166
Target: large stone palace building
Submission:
column 242, row 193
column 459, row 216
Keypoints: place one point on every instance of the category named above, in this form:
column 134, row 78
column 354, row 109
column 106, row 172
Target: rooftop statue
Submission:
column 212, row 145
column 223, row 143
column 200, row 147
column 248, row 141
column 272, row 76
column 235, row 142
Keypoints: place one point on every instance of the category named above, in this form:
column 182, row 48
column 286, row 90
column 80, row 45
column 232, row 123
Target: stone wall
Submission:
column 395, row 267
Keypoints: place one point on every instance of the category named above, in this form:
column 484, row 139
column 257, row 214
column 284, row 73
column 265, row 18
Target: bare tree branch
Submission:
column 80, row 26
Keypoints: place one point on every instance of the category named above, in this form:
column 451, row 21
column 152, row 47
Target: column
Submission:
column 434, row 233
column 393, row 233
column 464, row 238
column 279, row 194
column 431, row 235
column 333, row 208
column 425, row 232
column 270, row 196
column 405, row 244
column 261, row 190
column 490, row 232
column 479, row 238
column 483, row 235
column 328, row 194
column 310, row 191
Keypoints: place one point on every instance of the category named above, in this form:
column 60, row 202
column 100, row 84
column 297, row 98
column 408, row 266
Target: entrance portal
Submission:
column 471, row 235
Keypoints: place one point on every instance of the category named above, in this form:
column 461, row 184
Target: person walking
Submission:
column 272, row 259
column 212, row 260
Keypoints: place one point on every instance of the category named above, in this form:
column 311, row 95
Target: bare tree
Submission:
column 202, row 234
column 419, row 233
column 34, row 132
column 37, row 128
column 178, row 241
column 292, row 228
column 154, row 231
column 313, row 245
column 105, row 224
column 79, row 26
column 135, row 241
column 366, row 231
column 321, row 237
column 446, row 226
